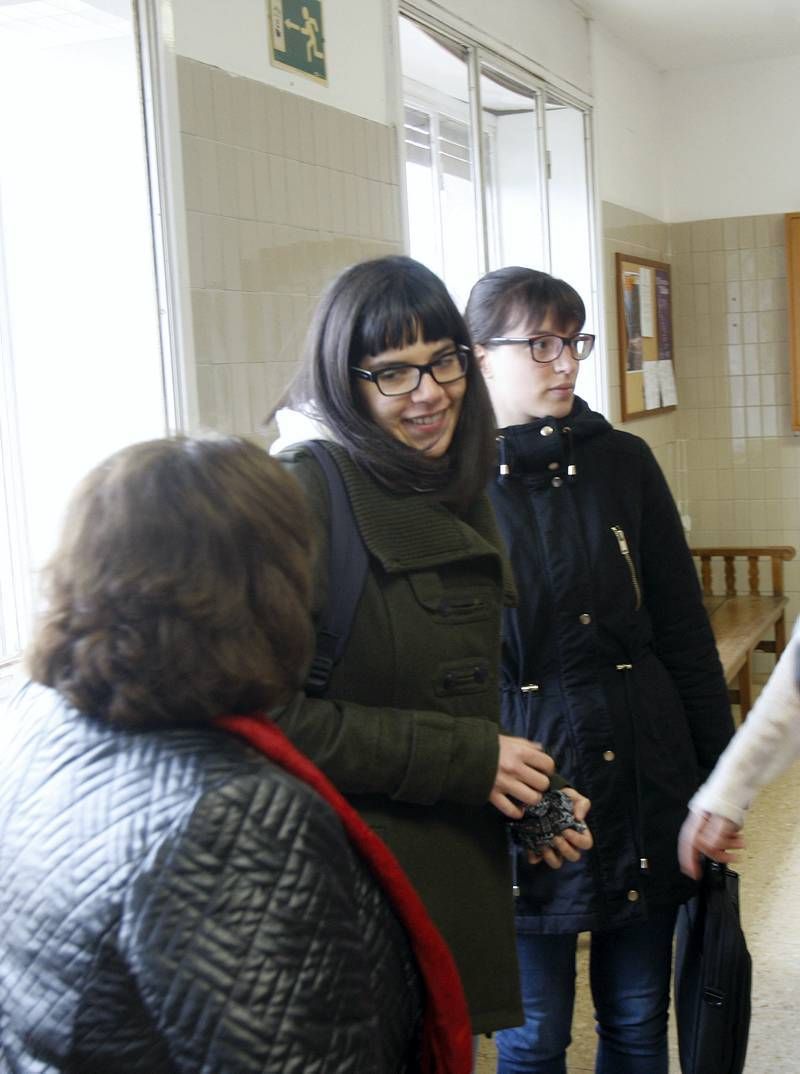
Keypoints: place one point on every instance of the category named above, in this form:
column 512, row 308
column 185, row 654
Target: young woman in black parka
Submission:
column 609, row 662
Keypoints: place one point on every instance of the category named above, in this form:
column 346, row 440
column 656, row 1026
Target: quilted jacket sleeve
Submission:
column 682, row 633
column 243, row 936
column 414, row 755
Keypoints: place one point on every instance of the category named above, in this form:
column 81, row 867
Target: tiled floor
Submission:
column 770, row 893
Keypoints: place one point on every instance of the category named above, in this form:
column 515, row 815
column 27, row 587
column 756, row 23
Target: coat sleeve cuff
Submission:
column 451, row 759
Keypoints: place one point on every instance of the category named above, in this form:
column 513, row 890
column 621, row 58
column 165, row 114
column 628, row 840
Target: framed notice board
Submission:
column 644, row 315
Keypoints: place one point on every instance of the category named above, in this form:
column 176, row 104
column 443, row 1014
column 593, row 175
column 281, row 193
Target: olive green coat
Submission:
column 408, row 729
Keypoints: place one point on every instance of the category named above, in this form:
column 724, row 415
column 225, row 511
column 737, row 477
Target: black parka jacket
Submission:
column 408, row 728
column 609, row 661
column 174, row 903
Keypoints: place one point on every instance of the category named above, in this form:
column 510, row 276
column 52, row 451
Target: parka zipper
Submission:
column 622, row 541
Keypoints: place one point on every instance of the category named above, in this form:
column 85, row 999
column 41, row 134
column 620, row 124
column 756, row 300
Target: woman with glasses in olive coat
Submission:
column 609, row 662
column 408, row 727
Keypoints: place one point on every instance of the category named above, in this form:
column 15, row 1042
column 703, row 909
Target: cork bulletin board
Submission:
column 644, row 314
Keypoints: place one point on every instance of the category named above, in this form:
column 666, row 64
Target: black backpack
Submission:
column 713, row 973
column 347, row 572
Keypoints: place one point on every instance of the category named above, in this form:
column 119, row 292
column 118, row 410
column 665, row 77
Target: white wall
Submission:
column 552, row 34
column 234, row 35
column 628, row 127
column 733, row 140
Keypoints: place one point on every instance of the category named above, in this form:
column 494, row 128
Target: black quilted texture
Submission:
column 173, row 902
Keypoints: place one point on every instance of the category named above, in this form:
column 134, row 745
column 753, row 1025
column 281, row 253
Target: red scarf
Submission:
column 446, row 1032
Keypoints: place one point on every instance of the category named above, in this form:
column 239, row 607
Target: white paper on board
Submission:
column 652, row 390
column 666, row 380
column 646, row 300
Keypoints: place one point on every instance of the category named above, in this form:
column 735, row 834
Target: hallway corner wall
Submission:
column 731, row 338
column 731, row 429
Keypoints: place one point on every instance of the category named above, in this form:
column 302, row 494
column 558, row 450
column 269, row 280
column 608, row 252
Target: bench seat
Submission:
column 743, row 623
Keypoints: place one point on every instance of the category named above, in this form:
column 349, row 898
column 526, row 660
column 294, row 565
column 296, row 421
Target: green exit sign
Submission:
column 297, row 38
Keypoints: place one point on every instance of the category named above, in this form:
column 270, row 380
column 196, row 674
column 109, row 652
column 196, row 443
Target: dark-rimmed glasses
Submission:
column 545, row 348
column 403, row 378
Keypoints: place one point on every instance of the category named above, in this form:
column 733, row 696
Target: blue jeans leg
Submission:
column 547, row 977
column 630, row 972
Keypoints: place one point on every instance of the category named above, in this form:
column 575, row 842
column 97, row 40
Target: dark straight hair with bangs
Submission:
column 508, row 296
column 372, row 307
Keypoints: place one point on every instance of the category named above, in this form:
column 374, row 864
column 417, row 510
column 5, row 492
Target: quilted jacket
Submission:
column 609, row 661
column 173, row 902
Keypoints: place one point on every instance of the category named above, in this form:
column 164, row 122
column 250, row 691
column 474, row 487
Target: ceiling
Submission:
column 693, row 33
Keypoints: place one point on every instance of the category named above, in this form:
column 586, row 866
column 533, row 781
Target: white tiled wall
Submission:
column 281, row 193
column 742, row 477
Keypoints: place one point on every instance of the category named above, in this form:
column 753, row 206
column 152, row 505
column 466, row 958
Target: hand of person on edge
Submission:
column 523, row 774
column 709, row 835
column 569, row 845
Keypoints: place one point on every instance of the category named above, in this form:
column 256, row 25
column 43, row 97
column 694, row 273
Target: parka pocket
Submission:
column 446, row 604
column 625, row 552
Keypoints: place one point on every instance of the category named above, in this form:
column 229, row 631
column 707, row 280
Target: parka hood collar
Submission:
column 545, row 447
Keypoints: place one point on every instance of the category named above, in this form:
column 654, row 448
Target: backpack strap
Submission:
column 347, row 573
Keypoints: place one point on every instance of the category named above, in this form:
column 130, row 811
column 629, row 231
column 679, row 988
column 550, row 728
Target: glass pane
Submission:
column 570, row 242
column 439, row 158
column 570, row 225
column 82, row 345
column 514, row 179
column 421, row 191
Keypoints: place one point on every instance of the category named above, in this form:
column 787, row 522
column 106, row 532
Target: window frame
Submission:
column 480, row 56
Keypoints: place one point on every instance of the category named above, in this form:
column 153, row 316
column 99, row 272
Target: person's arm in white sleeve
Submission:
column 764, row 746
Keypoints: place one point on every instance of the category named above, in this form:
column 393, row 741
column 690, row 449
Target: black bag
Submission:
column 713, row 972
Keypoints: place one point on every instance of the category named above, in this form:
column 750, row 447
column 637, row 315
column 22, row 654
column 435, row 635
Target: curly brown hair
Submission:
column 180, row 589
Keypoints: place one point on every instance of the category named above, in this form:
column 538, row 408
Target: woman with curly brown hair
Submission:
column 182, row 890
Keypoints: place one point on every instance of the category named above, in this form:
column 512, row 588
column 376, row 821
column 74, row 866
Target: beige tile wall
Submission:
column 281, row 193
column 731, row 328
column 728, row 448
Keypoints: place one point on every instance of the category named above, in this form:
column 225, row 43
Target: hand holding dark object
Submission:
column 707, row 835
column 553, row 830
column 523, row 775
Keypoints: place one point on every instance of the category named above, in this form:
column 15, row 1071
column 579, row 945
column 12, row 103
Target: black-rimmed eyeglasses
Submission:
column 403, row 378
column 546, row 347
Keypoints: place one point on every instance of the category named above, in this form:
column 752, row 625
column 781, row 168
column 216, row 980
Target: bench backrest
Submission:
column 777, row 554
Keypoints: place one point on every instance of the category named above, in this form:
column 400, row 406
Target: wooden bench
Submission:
column 742, row 623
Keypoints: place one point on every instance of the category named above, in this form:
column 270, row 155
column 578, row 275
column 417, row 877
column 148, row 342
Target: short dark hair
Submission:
column 507, row 295
column 180, row 589
column 369, row 308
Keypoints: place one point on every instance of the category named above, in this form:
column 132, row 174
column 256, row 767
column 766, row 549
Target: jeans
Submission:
column 629, row 973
